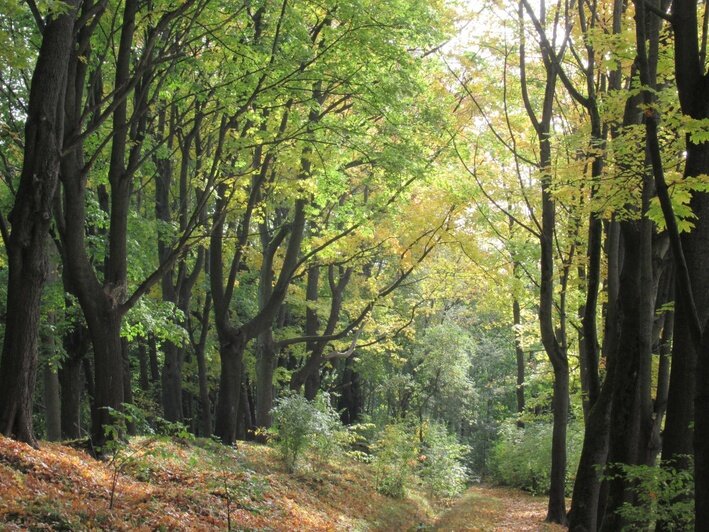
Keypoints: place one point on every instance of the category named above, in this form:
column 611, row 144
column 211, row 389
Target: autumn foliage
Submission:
column 190, row 486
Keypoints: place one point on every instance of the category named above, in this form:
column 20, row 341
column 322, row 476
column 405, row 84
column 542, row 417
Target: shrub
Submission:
column 394, row 460
column 662, row 494
column 440, row 462
column 521, row 457
column 299, row 425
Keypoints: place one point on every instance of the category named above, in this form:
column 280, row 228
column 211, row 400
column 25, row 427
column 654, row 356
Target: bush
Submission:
column 299, row 425
column 662, row 494
column 440, row 462
column 394, row 460
column 521, row 457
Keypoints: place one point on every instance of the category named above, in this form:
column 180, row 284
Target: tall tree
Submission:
column 553, row 345
column 31, row 216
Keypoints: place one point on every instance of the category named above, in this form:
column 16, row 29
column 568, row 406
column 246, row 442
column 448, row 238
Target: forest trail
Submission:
column 491, row 508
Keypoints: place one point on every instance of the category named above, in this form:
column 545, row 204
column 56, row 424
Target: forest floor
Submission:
column 490, row 508
column 175, row 485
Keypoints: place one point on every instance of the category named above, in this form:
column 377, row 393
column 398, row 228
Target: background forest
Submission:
column 466, row 240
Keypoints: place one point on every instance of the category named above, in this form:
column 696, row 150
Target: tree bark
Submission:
column 351, row 401
column 205, row 409
column 30, row 220
column 636, row 312
column 688, row 399
column 71, row 378
column 231, row 351
column 143, row 376
column 52, row 403
column 521, row 362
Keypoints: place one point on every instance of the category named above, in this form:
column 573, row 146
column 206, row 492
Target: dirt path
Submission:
column 500, row 509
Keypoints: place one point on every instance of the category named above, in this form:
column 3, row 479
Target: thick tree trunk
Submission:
column 614, row 253
column 109, row 392
column 696, row 247
column 689, row 386
column 631, row 397
column 589, row 353
column 231, row 354
column 30, row 219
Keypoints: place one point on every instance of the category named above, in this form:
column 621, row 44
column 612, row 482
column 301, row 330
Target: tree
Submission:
column 26, row 240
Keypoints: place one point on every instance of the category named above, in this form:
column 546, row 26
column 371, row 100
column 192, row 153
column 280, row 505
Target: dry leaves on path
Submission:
column 486, row 508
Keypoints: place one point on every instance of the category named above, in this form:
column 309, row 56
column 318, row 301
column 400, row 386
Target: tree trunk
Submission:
column 350, row 403
column 663, row 380
column 205, row 410
column 109, row 392
column 265, row 368
column 587, row 503
column 231, row 354
column 556, row 511
column 521, row 362
column 266, row 350
column 52, row 403
column 308, row 375
column 583, row 515
column 71, row 379
column 690, row 357
column 30, row 219
column 636, row 312
column 153, row 360
column 245, row 415
column 172, row 382
column 143, row 377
